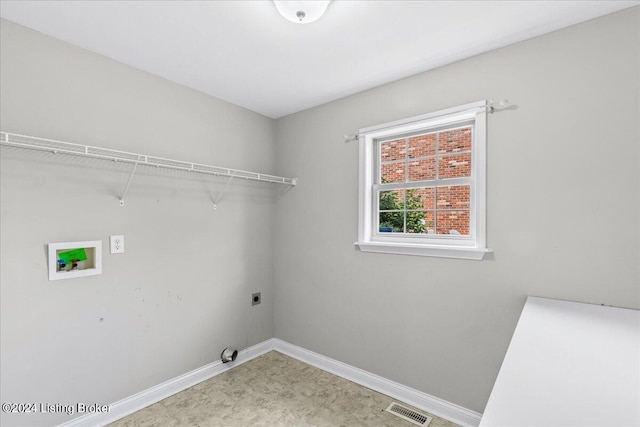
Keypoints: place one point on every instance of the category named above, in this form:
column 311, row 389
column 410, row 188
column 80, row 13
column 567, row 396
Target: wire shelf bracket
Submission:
column 60, row 147
column 218, row 199
column 126, row 188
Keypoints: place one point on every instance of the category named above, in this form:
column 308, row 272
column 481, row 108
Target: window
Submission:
column 422, row 185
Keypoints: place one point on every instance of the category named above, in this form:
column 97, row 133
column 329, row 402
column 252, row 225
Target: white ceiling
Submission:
column 244, row 52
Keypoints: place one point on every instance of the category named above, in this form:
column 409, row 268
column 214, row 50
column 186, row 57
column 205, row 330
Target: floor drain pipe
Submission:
column 228, row 355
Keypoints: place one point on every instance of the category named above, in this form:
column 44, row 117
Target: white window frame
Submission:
column 447, row 246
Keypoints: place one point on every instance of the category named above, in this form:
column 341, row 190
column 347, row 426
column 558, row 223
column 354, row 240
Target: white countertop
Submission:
column 569, row 364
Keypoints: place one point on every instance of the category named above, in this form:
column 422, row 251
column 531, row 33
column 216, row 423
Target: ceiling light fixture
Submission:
column 302, row 12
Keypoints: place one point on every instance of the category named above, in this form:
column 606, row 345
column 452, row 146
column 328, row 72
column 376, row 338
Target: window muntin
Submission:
column 422, row 184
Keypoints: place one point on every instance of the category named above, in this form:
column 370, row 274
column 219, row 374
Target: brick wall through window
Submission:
column 442, row 209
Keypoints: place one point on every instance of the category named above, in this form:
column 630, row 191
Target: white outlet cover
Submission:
column 117, row 244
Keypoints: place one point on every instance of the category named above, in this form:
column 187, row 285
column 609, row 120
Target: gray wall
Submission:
column 563, row 212
column 181, row 292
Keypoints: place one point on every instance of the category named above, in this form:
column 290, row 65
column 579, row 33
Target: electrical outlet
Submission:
column 117, row 244
column 256, row 299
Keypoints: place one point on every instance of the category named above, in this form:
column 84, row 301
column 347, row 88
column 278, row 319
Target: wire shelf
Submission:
column 42, row 144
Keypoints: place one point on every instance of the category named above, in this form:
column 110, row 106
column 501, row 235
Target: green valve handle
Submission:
column 74, row 254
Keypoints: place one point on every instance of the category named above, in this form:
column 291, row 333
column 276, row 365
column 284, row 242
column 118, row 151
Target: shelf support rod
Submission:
column 224, row 190
column 282, row 192
column 126, row 188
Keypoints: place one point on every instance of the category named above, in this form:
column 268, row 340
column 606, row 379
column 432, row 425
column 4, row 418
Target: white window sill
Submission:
column 475, row 254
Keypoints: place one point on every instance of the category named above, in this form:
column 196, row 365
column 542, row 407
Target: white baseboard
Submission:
column 154, row 394
column 420, row 400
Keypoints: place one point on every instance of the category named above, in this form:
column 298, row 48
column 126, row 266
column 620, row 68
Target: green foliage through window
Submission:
column 393, row 218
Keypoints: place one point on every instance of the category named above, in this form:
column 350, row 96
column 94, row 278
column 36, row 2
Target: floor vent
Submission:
column 409, row 414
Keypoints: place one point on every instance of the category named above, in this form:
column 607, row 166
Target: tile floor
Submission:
column 273, row 390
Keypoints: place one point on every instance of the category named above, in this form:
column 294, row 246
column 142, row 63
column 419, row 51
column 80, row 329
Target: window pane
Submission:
column 454, row 141
column 453, row 222
column 421, row 198
column 393, row 150
column 392, row 200
column 453, row 197
column 421, row 170
column 420, row 222
column 454, row 166
column 391, row 222
column 392, row 172
column 422, row 145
